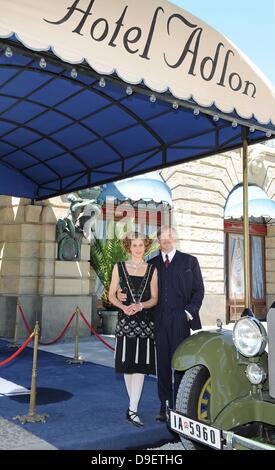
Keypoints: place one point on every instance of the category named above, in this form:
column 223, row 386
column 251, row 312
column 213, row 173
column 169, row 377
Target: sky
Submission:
column 250, row 24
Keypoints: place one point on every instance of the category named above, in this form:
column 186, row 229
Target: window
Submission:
column 235, row 269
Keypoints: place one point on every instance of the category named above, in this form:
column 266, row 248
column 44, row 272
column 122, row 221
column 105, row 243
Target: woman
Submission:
column 135, row 350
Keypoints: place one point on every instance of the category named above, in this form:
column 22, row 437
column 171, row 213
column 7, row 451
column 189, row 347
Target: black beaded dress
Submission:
column 135, row 347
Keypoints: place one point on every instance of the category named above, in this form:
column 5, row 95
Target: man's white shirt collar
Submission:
column 171, row 255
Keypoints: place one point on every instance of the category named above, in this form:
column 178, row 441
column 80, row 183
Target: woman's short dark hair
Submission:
column 127, row 241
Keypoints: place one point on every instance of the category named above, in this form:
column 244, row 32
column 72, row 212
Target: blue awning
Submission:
column 65, row 127
column 259, row 204
column 148, row 188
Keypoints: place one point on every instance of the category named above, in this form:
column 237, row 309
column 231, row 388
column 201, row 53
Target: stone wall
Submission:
column 20, row 234
column 29, row 268
column 28, row 251
column 262, row 170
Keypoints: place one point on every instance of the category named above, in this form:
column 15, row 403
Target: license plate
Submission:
column 196, row 430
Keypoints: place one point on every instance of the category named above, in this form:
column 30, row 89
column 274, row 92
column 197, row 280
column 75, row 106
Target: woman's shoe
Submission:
column 133, row 418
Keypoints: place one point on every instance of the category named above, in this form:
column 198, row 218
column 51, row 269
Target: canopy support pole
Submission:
column 247, row 299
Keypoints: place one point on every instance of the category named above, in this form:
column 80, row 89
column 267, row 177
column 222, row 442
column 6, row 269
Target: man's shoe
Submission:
column 162, row 415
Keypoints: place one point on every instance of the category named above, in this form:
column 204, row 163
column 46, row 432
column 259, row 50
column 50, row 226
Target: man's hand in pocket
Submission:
column 188, row 315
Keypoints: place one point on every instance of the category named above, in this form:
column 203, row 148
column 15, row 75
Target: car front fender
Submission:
column 216, row 351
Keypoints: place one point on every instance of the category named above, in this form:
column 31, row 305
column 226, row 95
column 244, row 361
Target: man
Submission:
column 181, row 292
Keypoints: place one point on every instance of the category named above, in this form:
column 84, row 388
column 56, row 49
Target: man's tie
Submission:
column 166, row 262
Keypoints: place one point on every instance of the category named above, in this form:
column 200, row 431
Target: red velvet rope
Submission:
column 65, row 328
column 14, row 355
column 95, row 333
column 61, row 334
column 54, row 340
column 24, row 319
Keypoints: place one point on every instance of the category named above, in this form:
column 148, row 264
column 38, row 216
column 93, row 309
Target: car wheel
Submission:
column 193, row 399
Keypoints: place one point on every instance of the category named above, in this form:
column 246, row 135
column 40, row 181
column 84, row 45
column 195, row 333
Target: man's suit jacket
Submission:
column 188, row 289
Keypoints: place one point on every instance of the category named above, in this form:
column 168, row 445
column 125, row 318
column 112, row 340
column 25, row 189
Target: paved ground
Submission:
column 169, row 446
column 13, row 437
column 90, row 349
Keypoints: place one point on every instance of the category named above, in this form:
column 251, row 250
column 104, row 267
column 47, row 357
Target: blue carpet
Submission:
column 86, row 404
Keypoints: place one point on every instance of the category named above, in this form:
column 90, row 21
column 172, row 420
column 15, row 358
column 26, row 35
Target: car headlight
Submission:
column 255, row 374
column 249, row 336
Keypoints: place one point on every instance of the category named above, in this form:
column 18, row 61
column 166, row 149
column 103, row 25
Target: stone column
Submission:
column 20, row 234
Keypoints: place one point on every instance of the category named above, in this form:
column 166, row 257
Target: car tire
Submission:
column 187, row 400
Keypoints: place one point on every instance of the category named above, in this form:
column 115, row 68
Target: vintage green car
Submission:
column 226, row 399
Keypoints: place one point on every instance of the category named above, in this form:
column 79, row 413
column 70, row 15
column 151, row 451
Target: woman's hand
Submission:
column 136, row 308
column 128, row 310
column 132, row 309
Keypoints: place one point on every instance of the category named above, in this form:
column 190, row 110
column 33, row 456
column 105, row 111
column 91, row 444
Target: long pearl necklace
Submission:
column 135, row 265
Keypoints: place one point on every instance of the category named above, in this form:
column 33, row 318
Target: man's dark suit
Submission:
column 180, row 288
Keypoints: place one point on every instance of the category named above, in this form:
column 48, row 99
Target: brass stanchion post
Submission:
column 14, row 344
column 247, row 300
column 76, row 359
column 246, row 228
column 32, row 417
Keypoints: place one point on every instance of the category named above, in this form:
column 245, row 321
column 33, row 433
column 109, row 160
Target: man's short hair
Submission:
column 164, row 228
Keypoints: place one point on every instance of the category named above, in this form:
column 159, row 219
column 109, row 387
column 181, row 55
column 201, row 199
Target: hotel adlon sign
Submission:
column 153, row 41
